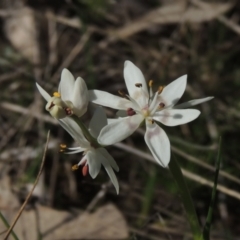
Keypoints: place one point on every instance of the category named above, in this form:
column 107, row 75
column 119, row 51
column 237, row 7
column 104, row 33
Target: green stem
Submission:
column 85, row 131
column 186, row 199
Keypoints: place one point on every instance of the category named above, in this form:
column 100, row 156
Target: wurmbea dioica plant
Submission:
column 93, row 154
column 71, row 98
column 67, row 105
column 141, row 104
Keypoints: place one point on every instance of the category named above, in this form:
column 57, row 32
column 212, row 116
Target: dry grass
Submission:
column 165, row 39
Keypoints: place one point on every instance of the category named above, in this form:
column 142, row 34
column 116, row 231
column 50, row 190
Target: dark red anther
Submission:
column 68, row 111
column 130, row 112
column 85, row 170
column 52, row 105
column 138, row 85
column 161, row 105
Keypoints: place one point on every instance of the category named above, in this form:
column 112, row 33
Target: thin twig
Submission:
column 73, row 54
column 186, row 173
column 30, row 193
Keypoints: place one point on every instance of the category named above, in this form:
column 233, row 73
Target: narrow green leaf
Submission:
column 207, row 226
column 186, row 199
column 4, row 220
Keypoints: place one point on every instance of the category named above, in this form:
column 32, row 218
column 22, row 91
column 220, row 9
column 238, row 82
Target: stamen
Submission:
column 138, row 85
column 160, row 89
column 75, row 167
column 151, row 121
column 63, row 145
column 68, row 111
column 56, row 94
column 161, row 105
column 130, row 112
column 150, row 83
column 121, row 93
column 85, row 170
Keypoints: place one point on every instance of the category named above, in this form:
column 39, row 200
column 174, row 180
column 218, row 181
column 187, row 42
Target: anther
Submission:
column 75, row 167
column 63, row 146
column 161, row 105
column 68, row 111
column 130, row 112
column 160, row 89
column 56, row 94
column 150, row 83
column 138, row 85
column 121, row 93
column 151, row 121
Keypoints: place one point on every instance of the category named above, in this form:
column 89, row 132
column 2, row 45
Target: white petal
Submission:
column 158, row 143
column 173, row 91
column 119, row 129
column 93, row 163
column 98, row 121
column 113, row 177
column 109, row 158
column 109, row 171
column 45, row 95
column 121, row 113
column 193, row 102
column 174, row 117
column 103, row 157
column 109, row 100
column 74, row 130
column 80, row 97
column 66, row 86
column 133, row 75
column 111, row 120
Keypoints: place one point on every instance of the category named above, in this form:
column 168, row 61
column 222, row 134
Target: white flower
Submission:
column 141, row 104
column 71, row 98
column 93, row 156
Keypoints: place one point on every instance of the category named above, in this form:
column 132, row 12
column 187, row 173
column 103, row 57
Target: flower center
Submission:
column 145, row 112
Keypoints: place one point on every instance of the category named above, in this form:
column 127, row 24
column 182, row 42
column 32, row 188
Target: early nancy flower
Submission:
column 93, row 154
column 71, row 98
column 141, row 104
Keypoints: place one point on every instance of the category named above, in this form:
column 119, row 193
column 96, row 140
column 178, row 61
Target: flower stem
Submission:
column 85, row 131
column 186, row 199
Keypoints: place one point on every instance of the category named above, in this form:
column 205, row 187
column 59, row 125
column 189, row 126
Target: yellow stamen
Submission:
column 150, row 83
column 75, row 167
column 160, row 89
column 56, row 94
column 63, row 146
